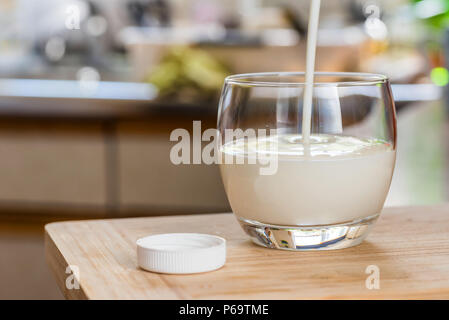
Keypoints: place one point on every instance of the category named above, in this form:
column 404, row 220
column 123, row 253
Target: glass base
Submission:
column 303, row 238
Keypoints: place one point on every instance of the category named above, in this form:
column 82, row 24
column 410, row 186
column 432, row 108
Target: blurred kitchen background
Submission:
column 91, row 89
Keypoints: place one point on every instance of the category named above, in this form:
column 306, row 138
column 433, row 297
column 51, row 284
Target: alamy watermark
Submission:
column 373, row 280
column 71, row 282
column 189, row 148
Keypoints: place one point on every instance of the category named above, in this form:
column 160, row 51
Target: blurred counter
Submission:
column 105, row 152
column 98, row 149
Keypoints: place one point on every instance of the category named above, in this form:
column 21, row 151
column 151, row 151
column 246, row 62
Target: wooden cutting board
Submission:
column 409, row 248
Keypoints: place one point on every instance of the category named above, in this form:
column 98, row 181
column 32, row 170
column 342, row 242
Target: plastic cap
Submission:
column 181, row 253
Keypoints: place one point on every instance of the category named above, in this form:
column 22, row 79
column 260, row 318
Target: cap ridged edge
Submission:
column 181, row 253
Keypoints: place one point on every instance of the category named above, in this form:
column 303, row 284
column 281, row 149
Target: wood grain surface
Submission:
column 409, row 245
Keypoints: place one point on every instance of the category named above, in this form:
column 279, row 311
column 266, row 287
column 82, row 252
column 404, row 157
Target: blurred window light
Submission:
column 440, row 76
column 55, row 48
column 430, row 8
column 88, row 78
column 96, row 26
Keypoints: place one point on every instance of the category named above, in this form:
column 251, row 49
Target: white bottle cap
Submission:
column 181, row 253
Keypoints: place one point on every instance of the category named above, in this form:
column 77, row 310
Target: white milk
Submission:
column 310, row 68
column 342, row 180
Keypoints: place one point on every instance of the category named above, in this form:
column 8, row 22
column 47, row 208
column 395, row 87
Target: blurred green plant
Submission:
column 435, row 13
column 439, row 76
column 190, row 75
column 435, row 16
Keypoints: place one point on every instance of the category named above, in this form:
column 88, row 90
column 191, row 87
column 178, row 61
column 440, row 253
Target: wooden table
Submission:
column 409, row 246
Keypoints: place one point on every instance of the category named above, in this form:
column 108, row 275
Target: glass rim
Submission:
column 356, row 79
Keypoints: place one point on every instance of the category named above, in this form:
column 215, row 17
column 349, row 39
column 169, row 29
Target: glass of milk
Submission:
column 317, row 186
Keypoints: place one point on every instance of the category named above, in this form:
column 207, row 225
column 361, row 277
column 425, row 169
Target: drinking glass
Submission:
column 320, row 189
